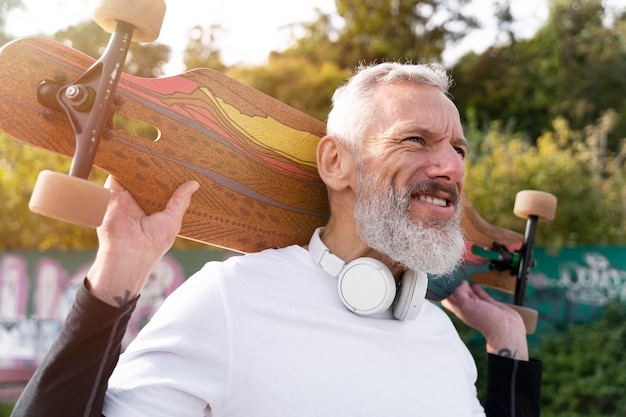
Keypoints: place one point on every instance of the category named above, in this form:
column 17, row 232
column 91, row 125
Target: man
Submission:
column 266, row 334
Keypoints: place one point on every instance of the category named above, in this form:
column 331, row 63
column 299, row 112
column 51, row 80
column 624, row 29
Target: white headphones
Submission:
column 367, row 287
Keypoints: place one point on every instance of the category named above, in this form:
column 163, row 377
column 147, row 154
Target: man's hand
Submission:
column 131, row 243
column 502, row 326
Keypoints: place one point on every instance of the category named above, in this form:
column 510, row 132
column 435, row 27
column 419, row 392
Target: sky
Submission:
column 252, row 28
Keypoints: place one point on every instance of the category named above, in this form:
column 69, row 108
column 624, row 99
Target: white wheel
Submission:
column 535, row 203
column 529, row 316
column 68, row 198
column 146, row 15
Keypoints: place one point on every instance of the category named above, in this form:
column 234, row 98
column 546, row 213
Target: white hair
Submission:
column 351, row 110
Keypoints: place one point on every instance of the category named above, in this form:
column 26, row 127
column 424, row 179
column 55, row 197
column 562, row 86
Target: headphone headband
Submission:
column 367, row 287
column 331, row 264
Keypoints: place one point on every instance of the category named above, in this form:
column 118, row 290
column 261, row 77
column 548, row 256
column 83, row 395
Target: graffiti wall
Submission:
column 37, row 290
column 574, row 284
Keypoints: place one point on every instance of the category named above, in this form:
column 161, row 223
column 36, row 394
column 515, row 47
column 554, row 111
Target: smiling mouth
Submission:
column 433, row 200
column 432, row 192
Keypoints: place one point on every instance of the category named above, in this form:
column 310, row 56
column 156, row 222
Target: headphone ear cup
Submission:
column 411, row 295
column 366, row 286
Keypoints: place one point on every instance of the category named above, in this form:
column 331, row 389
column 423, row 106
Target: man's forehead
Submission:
column 417, row 107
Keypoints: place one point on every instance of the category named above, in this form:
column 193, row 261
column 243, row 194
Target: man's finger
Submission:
column 179, row 202
column 113, row 184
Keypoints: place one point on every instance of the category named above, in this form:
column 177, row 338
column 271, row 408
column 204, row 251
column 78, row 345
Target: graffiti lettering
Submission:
column 31, row 317
column 595, row 283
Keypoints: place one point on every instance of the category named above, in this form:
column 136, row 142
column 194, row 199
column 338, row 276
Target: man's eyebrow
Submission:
column 422, row 131
column 461, row 142
column 411, row 131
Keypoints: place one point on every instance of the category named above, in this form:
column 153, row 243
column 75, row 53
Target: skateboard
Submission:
column 253, row 156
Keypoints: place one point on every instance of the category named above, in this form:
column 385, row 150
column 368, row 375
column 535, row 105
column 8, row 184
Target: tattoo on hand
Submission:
column 122, row 301
column 507, row 353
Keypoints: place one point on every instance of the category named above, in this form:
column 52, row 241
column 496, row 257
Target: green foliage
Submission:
column 585, row 368
column 544, row 113
column 572, row 68
column 5, row 409
column 201, row 52
column 413, row 30
column 386, row 30
column 5, row 7
column 19, row 227
column 566, row 163
column 318, row 44
column 536, row 110
column 296, row 82
column 143, row 60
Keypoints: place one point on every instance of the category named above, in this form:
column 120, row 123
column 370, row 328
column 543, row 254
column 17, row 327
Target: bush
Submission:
column 585, row 368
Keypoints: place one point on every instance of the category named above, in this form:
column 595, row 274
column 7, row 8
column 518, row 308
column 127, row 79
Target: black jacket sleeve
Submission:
column 72, row 379
column 513, row 387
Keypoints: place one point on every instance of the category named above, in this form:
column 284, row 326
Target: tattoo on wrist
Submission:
column 507, row 353
column 122, row 301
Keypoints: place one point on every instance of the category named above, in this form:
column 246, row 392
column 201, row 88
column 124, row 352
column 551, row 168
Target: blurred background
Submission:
column 541, row 88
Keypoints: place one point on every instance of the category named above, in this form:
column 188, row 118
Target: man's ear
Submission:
column 335, row 164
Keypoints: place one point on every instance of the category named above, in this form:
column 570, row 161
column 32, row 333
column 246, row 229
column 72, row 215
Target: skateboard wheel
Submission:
column 529, row 316
column 70, row 199
column 535, row 203
column 145, row 15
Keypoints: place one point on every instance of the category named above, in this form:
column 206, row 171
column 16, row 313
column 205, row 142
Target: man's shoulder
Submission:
column 287, row 256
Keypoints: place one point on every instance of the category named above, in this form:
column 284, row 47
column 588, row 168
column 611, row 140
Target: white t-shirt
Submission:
column 266, row 335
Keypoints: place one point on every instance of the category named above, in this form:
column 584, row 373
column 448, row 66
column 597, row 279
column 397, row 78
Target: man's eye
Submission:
column 416, row 139
column 461, row 151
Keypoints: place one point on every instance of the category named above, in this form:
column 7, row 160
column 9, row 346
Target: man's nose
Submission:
column 445, row 163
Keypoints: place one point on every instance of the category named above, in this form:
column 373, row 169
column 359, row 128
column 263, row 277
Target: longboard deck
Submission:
column 253, row 156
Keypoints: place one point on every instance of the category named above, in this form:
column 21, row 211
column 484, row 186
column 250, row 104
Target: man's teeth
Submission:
column 433, row 200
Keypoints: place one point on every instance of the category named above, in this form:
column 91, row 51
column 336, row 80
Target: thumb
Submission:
column 180, row 200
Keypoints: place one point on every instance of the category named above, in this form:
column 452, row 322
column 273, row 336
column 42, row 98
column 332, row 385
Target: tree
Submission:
column 414, row 30
column 317, row 45
column 144, row 60
column 19, row 227
column 571, row 68
column 589, row 59
column 5, row 7
column 296, row 82
column 585, row 368
column 201, row 51
column 385, row 30
column 564, row 162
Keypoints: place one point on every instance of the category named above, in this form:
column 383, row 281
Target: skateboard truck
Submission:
column 500, row 257
column 532, row 206
column 89, row 103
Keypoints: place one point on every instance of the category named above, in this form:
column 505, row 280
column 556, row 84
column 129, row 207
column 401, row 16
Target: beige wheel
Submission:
column 535, row 203
column 146, row 15
column 529, row 316
column 68, row 198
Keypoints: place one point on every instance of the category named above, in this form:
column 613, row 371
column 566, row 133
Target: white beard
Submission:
column 434, row 247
